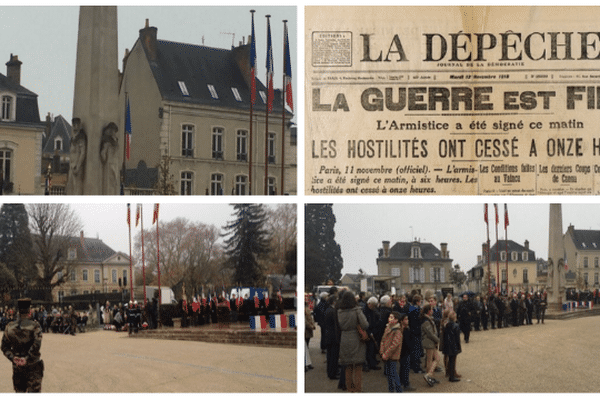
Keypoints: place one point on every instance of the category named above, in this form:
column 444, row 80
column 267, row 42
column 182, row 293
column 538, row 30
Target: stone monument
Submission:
column 98, row 151
column 556, row 251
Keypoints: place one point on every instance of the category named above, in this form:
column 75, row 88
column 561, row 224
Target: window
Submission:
column 585, row 262
column 241, row 181
column 272, row 190
column 72, row 253
column 595, row 262
column 187, row 141
column 86, row 292
column 85, row 275
column 186, row 184
column 514, row 256
column 271, row 148
column 241, row 145
column 114, row 276
column 7, row 108
column 503, row 256
column 596, row 278
column 263, row 96
column 585, row 278
column 395, row 271
column 183, row 88
column 124, row 277
column 61, row 295
column 216, row 184
column 73, row 275
column 217, row 143
column 96, row 276
column 58, row 144
column 73, row 292
column 415, row 252
column 503, row 275
column 435, row 275
column 525, row 256
column 525, row 277
column 236, row 94
column 213, row 92
column 5, row 161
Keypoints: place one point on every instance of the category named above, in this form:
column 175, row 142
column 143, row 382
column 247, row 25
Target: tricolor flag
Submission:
column 496, row 209
column 128, row 214
column 287, row 70
column 485, row 213
column 258, row 322
column 505, row 215
column 155, row 217
column 270, row 90
column 127, row 130
column 278, row 322
column 256, row 301
column 253, row 65
column 266, row 296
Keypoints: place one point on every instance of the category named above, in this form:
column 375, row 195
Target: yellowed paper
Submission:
column 452, row 100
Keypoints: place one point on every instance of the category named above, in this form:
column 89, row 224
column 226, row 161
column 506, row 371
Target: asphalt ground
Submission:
column 559, row 356
column 111, row 362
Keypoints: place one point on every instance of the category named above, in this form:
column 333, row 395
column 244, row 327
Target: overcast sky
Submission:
column 361, row 228
column 45, row 39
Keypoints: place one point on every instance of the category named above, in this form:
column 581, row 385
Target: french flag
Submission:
column 258, row 322
column 278, row 322
column 128, row 130
column 270, row 90
column 287, row 71
column 253, row 65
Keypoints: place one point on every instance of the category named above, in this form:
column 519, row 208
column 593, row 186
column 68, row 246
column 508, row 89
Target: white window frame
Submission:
column 236, row 94
column 241, row 185
column 217, row 138
column 187, row 140
column 97, row 276
column 525, row 256
column 514, row 256
column 271, row 147
column 84, row 275
column 186, row 185
column 263, row 96
column 7, row 107
column 272, row 186
column 114, row 276
column 6, row 159
column 213, row 91
column 241, row 145
column 183, row 88
column 58, row 144
column 395, row 271
column 216, row 184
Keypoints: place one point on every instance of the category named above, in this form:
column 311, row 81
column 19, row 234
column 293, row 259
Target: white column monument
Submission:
column 556, row 253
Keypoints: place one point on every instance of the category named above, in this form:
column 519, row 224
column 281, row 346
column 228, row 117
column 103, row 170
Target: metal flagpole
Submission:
column 143, row 257
column 252, row 99
column 130, row 258
column 497, row 247
column 269, row 101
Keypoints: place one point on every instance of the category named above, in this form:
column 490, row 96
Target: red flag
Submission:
column 256, row 301
column 485, row 213
column 505, row 215
column 496, row 209
column 155, row 218
column 253, row 64
column 137, row 214
column 267, row 300
column 287, row 70
column 128, row 214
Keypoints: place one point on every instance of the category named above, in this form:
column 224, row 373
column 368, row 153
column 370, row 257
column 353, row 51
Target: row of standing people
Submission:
column 54, row 320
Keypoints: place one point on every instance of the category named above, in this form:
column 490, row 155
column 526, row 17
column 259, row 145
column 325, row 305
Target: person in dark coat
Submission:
column 485, row 314
column 451, row 345
column 493, row 310
column 514, row 310
column 463, row 313
column 372, row 314
column 501, row 311
column 476, row 310
column 529, row 309
column 414, row 322
column 320, row 317
column 332, row 340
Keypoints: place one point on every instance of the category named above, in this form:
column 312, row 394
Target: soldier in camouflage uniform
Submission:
column 21, row 345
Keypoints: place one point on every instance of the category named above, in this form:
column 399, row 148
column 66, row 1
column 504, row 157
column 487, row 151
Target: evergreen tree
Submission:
column 16, row 245
column 248, row 242
column 323, row 256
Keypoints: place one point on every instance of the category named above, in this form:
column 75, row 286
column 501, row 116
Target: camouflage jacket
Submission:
column 22, row 339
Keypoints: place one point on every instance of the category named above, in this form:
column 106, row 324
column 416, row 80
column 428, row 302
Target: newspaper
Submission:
column 452, row 100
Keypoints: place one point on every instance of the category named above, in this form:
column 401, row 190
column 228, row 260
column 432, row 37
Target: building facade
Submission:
column 20, row 135
column 92, row 267
column 516, row 264
column 408, row 266
column 55, row 153
column 190, row 109
column 582, row 258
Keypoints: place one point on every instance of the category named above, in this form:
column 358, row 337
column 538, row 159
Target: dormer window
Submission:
column 236, row 94
column 263, row 96
column 183, row 88
column 58, row 144
column 415, row 252
column 72, row 253
column 525, row 256
column 7, row 112
column 213, row 92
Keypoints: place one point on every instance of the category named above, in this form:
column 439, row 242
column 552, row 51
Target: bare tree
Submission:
column 53, row 227
column 282, row 226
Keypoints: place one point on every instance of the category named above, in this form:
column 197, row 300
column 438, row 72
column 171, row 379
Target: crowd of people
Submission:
column 55, row 319
column 408, row 332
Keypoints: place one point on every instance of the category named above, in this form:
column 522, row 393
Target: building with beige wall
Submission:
column 408, row 266
column 582, row 256
column 92, row 267
column 21, row 135
column 190, row 104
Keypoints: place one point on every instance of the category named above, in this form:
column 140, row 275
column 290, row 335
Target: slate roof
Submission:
column 60, row 128
column 91, row 250
column 402, row 251
column 27, row 111
column 512, row 246
column 198, row 66
column 586, row 239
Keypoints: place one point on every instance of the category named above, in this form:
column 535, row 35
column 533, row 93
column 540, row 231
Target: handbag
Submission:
column 362, row 334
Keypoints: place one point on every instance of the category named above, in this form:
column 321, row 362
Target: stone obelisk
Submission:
column 95, row 147
column 555, row 256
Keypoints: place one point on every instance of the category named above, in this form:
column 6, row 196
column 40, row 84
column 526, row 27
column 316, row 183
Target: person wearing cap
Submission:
column 21, row 345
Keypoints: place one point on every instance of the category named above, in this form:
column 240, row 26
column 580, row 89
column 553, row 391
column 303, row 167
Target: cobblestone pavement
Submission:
column 110, row 362
column 557, row 356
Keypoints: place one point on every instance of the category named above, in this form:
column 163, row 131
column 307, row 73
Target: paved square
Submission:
column 557, row 356
column 110, row 362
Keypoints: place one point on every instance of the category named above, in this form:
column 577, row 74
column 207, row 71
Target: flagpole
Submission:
column 487, row 231
column 143, row 257
column 252, row 99
column 497, row 246
column 269, row 101
column 158, row 262
column 123, row 168
column 506, row 237
column 285, row 38
column 130, row 259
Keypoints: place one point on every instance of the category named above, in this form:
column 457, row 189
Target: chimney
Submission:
column 148, row 39
column 479, row 259
column 386, row 248
column 444, row 250
column 526, row 244
column 13, row 69
column 241, row 56
column 48, row 127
